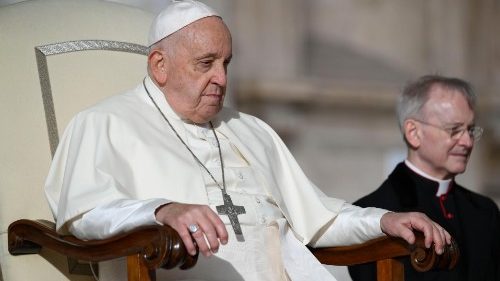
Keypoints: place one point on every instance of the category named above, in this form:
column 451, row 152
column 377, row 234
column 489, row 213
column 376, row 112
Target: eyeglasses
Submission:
column 456, row 133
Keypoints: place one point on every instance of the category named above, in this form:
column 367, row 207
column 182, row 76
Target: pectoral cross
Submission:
column 232, row 211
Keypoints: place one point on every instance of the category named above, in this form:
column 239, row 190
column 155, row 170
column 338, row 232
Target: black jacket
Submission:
column 474, row 223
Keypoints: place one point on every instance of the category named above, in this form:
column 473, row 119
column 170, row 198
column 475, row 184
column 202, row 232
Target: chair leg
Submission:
column 390, row 270
column 138, row 271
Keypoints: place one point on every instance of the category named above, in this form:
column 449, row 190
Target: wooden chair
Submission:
column 386, row 251
column 153, row 247
column 146, row 248
column 57, row 58
column 42, row 74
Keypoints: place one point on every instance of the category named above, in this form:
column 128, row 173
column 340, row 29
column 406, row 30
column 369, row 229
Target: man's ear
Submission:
column 158, row 67
column 412, row 133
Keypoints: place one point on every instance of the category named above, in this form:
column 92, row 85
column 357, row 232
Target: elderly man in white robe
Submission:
column 168, row 152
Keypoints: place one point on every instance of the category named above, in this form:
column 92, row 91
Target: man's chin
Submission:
column 207, row 116
column 458, row 168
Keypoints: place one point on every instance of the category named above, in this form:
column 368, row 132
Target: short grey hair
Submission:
column 416, row 94
column 167, row 45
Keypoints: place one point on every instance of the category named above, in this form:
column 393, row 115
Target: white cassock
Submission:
column 119, row 160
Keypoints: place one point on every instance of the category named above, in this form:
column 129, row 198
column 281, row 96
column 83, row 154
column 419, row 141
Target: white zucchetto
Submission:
column 175, row 16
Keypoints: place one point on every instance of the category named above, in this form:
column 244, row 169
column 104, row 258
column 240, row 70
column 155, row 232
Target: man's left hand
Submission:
column 403, row 224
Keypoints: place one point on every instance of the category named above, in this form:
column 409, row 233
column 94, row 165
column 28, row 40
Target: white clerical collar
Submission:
column 161, row 100
column 444, row 185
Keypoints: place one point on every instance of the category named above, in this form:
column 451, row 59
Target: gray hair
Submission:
column 416, row 94
column 167, row 45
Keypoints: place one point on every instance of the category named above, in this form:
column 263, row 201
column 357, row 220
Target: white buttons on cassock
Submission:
column 213, row 141
column 203, row 131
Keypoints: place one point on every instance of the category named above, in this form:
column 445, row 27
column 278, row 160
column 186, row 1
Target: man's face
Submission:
column 438, row 154
column 197, row 70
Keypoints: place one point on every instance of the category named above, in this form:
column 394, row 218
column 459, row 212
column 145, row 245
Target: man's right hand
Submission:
column 211, row 229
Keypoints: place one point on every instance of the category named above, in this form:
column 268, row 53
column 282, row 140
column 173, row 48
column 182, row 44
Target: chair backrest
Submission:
column 42, row 88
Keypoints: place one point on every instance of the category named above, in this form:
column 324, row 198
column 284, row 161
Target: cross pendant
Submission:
column 232, row 211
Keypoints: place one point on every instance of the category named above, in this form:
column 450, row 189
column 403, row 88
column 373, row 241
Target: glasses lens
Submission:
column 476, row 133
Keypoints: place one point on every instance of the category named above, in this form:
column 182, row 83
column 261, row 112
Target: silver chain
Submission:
column 223, row 187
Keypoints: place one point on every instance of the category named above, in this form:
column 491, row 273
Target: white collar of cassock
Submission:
column 444, row 185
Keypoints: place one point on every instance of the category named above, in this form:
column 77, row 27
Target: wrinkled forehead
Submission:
column 205, row 39
column 448, row 103
column 205, row 27
column 451, row 91
column 439, row 93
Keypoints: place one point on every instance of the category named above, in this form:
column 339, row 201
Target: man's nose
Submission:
column 220, row 75
column 467, row 139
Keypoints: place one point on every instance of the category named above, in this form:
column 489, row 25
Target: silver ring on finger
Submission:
column 193, row 228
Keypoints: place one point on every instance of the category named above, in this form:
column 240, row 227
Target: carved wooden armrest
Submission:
column 382, row 249
column 156, row 246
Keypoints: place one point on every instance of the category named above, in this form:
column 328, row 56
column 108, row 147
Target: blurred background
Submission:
column 326, row 73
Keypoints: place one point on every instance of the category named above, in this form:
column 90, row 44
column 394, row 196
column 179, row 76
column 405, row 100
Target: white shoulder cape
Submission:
column 121, row 148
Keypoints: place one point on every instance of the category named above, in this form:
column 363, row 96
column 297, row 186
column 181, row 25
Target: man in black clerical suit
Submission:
column 436, row 117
